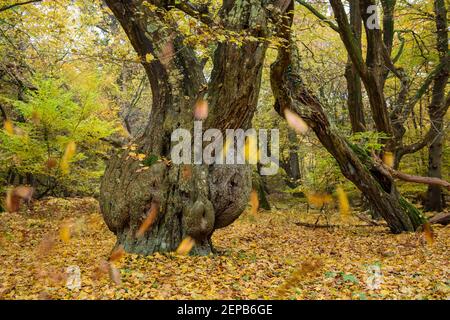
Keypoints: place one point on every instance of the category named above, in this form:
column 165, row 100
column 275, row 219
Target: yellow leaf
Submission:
column 149, row 57
column 251, row 150
column 68, row 155
column 9, row 127
column 344, row 205
column 295, row 122
column 186, row 246
column 428, row 233
column 319, row 199
column 388, row 159
column 64, row 232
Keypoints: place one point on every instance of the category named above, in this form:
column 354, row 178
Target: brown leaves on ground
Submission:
column 262, row 257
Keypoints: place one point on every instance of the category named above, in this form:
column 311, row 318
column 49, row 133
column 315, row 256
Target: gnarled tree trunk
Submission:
column 190, row 200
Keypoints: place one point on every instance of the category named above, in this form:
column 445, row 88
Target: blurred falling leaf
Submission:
column 68, row 155
column 117, row 254
column 295, row 122
column 46, row 245
column 428, row 233
column 251, row 144
column 388, row 159
column 344, row 205
column 8, row 126
column 151, row 216
column 167, row 53
column 64, row 232
column 114, row 274
column 187, row 172
column 186, row 246
column 102, row 268
column 51, row 163
column 35, row 117
column 201, row 109
column 14, row 195
column 254, row 201
column 318, row 199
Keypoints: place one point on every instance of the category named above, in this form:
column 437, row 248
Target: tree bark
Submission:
column 207, row 197
column 354, row 101
column 435, row 199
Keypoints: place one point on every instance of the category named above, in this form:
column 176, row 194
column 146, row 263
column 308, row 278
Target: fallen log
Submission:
column 441, row 218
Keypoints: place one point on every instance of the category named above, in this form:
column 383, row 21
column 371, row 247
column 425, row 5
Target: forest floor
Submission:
column 263, row 256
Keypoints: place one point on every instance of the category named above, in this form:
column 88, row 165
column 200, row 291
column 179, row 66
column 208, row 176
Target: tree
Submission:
column 438, row 107
column 371, row 178
column 191, row 200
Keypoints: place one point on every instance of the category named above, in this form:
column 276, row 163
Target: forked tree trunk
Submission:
column 355, row 163
column 191, row 200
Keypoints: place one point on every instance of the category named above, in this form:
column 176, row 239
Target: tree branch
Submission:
column 319, row 15
column 408, row 177
column 199, row 12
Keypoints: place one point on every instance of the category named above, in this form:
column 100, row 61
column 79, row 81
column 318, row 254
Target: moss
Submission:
column 417, row 218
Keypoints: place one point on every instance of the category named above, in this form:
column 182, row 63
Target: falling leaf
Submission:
column 14, row 195
column 187, row 172
column 151, row 217
column 102, row 268
column 46, row 245
column 186, row 246
column 388, row 159
column 114, row 274
column 201, row 109
column 117, row 254
column 8, row 126
column 24, row 192
column 295, row 122
column 251, row 149
column 254, row 202
column 12, row 201
column 319, row 199
column 428, row 233
column 344, row 205
column 35, row 117
column 51, row 163
column 64, row 232
column 68, row 155
column 167, row 53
